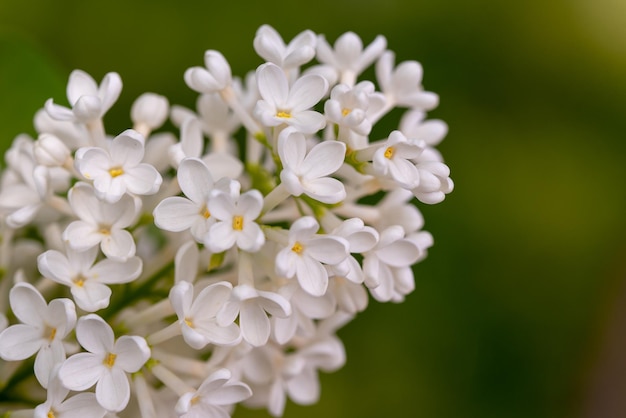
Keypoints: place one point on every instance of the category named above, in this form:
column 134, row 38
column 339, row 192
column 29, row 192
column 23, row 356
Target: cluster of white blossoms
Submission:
column 157, row 275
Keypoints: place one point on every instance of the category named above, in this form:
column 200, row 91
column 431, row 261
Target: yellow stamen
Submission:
column 109, row 361
column 346, row 112
column 283, row 114
column 105, row 230
column 189, row 322
column 237, row 223
column 51, row 414
column 194, row 400
column 389, row 152
column 205, row 212
column 297, row 248
column 79, row 280
column 116, row 171
column 53, row 333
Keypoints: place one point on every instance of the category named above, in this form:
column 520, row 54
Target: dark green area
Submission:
column 512, row 307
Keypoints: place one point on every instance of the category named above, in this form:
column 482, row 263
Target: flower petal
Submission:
column 132, row 353
column 95, row 335
column 113, row 390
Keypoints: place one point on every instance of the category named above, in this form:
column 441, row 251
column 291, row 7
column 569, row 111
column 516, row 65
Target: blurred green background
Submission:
column 520, row 308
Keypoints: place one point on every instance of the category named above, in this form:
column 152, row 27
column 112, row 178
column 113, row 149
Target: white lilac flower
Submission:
column 402, row 85
column 214, row 397
column 393, row 160
column 435, row 182
column 235, row 215
column 360, row 238
column 191, row 212
column 348, row 57
column 284, row 105
column 351, row 107
column 197, row 317
column 389, row 261
column 57, row 406
column 215, row 77
column 88, row 100
column 149, row 111
column 270, row 46
column 309, row 173
column 42, row 330
column 105, row 363
column 101, row 223
column 306, row 253
column 86, row 280
column 119, row 169
column 252, row 306
column 50, row 151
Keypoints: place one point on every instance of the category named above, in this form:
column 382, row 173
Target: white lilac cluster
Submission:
column 155, row 276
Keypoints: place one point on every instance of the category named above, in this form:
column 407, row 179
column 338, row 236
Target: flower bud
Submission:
column 51, row 151
column 149, row 110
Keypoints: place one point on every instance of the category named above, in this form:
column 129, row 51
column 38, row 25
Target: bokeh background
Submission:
column 520, row 309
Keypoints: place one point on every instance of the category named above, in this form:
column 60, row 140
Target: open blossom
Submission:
column 42, row 330
column 198, row 316
column 119, row 169
column 86, row 280
column 270, row 46
column 88, row 100
column 306, row 253
column 215, row 77
column 393, row 159
column 105, row 363
column 282, row 104
column 309, row 173
column 212, row 399
column 190, row 212
column 235, row 220
column 101, row 223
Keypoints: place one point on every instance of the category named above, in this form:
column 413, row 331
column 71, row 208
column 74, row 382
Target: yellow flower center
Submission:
column 205, row 212
column 53, row 333
column 283, row 114
column 116, row 171
column 51, row 414
column 297, row 248
column 237, row 223
column 389, row 152
column 109, row 360
column 189, row 322
column 79, row 280
column 345, row 112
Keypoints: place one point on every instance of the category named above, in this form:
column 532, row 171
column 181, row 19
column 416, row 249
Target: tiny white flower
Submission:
column 88, row 100
column 149, row 111
column 348, row 57
column 360, row 238
column 309, row 173
column 42, row 329
column 252, row 306
column 86, row 280
column 235, row 216
column 105, row 363
column 57, row 406
column 101, row 223
column 270, row 46
column 119, row 169
column 215, row 77
column 351, row 106
column 402, row 85
column 392, row 257
column 393, row 159
column 197, row 317
column 435, row 182
column 214, row 397
column 191, row 212
column 51, row 151
column 306, row 253
column 291, row 106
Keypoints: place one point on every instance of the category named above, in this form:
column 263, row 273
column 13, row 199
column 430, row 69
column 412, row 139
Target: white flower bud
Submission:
column 149, row 110
column 51, row 151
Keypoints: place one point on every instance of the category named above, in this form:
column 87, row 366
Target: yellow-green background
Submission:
column 519, row 310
